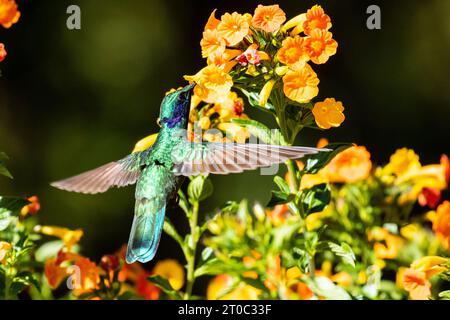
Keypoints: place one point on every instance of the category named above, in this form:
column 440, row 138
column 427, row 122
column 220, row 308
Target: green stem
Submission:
column 312, row 265
column 192, row 249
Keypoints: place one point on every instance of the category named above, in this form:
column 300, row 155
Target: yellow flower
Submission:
column 344, row 279
column 296, row 22
column 430, row 265
column 328, row 113
column 204, row 123
column 412, row 232
column 69, row 237
column 292, row 51
column 403, row 161
column 301, row 85
column 316, row 19
column 222, row 283
column 212, row 43
column 390, row 245
column 320, row 46
column 265, row 92
column 225, row 60
column 145, row 143
column 268, row 18
column 233, row 28
column 235, row 132
column 5, row 247
column 351, row 165
column 441, row 223
column 212, row 83
column 172, row 271
column 399, row 277
column 9, row 13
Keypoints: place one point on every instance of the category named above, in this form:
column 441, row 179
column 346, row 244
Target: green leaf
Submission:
column 207, row 253
column 324, row 287
column 445, row 295
column 127, row 295
column 3, row 171
column 279, row 197
column 315, row 199
column 215, row 266
column 169, row 228
column 253, row 100
column 260, row 131
column 183, row 202
column 200, row 188
column 13, row 204
column 282, row 184
column 344, row 251
column 165, row 286
column 255, row 283
column 48, row 250
column 315, row 162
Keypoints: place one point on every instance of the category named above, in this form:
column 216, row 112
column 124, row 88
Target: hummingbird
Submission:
column 158, row 171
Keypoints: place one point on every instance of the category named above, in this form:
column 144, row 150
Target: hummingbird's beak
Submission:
column 189, row 87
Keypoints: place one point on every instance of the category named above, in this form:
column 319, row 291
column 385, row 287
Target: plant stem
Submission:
column 192, row 249
column 312, row 265
column 292, row 176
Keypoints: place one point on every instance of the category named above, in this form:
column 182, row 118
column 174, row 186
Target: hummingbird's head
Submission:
column 175, row 107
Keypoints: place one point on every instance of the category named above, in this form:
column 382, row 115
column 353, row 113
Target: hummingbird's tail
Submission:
column 146, row 230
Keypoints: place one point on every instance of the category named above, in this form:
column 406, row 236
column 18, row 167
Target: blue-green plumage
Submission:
column 158, row 171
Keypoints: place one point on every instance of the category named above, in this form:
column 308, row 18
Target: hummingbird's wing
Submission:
column 192, row 158
column 114, row 174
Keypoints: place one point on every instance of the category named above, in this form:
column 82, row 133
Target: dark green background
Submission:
column 73, row 100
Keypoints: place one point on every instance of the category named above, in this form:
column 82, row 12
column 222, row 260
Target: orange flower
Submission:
column 292, row 51
column 212, row 22
column 390, row 249
column 417, row 284
column 316, row 19
column 145, row 288
column 222, row 283
column 328, row 113
column 304, row 292
column 320, row 46
column 3, row 52
column 225, row 60
column 9, row 13
column 278, row 214
column 212, row 83
column 31, row 208
column 441, row 223
column 268, row 18
column 86, row 278
column 301, row 84
column 351, row 165
column 212, row 43
column 233, row 28
column 54, row 273
column 431, row 265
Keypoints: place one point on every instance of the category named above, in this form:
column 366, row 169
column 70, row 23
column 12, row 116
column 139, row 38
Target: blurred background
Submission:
column 73, row 100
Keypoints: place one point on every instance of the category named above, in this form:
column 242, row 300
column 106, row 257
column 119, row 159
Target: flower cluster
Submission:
column 368, row 226
column 268, row 60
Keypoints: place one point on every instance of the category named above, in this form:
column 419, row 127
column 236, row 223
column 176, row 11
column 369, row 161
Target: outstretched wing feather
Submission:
column 114, row 174
column 218, row 158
